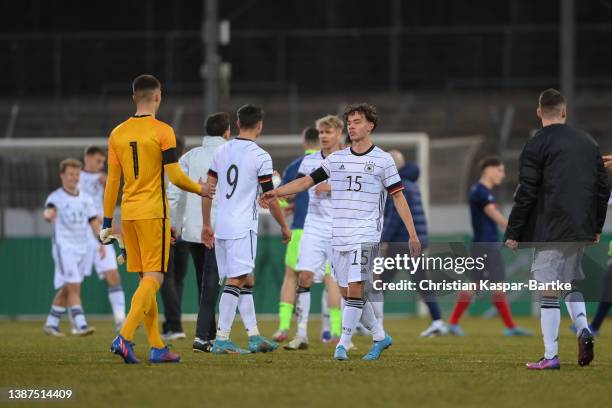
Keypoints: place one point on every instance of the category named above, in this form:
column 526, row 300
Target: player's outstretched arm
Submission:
column 111, row 191
column 401, row 205
column 294, row 187
column 182, row 181
column 208, row 236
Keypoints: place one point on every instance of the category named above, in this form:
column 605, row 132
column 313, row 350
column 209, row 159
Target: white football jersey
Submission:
column 89, row 183
column 360, row 183
column 74, row 212
column 319, row 216
column 239, row 166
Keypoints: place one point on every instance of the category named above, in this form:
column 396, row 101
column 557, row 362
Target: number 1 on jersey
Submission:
column 232, row 180
column 134, row 146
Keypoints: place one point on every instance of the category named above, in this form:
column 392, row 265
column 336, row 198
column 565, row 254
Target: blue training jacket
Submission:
column 393, row 227
column 301, row 199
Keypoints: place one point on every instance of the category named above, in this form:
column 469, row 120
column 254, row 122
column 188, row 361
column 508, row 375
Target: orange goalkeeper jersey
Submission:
column 138, row 145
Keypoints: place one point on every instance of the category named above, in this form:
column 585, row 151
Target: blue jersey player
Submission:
column 486, row 218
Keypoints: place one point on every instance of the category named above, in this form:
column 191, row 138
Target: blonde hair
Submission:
column 331, row 121
column 70, row 162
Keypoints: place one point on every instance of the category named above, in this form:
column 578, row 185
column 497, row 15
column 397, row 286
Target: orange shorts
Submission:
column 147, row 244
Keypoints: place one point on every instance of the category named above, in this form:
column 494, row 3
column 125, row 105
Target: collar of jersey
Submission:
column 140, row 116
column 364, row 153
column 242, row 138
column 70, row 194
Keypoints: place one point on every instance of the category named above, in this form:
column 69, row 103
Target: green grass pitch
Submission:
column 484, row 369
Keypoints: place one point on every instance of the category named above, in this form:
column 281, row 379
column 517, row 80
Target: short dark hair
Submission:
column 145, row 83
column 217, row 123
column 249, row 116
column 489, row 161
column 311, row 136
column 550, row 101
column 367, row 110
column 92, row 150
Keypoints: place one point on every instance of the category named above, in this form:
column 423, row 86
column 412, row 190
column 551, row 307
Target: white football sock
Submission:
column 116, row 297
column 246, row 306
column 350, row 317
column 550, row 319
column 303, row 311
column 379, row 308
column 574, row 301
column 55, row 316
column 370, row 322
column 227, row 311
column 78, row 316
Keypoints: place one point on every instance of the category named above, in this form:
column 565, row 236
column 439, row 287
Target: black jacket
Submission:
column 563, row 188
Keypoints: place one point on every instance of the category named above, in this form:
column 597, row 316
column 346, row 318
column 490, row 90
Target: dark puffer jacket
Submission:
column 563, row 188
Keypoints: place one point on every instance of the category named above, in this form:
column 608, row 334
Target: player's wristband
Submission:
column 107, row 223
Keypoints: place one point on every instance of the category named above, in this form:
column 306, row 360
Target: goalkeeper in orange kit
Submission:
column 143, row 150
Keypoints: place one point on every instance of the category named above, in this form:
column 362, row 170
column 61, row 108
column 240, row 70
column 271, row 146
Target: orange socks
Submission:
column 142, row 301
column 152, row 325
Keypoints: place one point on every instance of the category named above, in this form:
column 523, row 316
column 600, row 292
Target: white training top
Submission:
column 186, row 208
column 320, row 209
column 239, row 166
column 360, row 183
column 71, row 227
column 90, row 184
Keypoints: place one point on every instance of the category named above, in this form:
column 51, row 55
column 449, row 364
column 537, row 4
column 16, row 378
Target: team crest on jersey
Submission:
column 369, row 167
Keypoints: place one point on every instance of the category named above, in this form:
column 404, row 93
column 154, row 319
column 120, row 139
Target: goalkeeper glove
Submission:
column 106, row 231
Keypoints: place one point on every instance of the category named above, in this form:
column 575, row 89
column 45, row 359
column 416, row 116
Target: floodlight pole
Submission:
column 567, row 56
column 210, row 40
